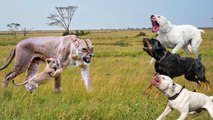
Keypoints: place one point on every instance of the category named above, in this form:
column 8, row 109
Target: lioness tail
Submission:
column 9, row 59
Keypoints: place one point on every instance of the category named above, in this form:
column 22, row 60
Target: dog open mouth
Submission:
column 155, row 24
column 145, row 47
column 156, row 81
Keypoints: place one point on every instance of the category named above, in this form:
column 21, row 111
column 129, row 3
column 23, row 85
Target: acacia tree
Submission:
column 62, row 17
column 13, row 27
column 26, row 31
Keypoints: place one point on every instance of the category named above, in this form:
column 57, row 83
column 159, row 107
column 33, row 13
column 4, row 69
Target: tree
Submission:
column 26, row 31
column 14, row 28
column 62, row 17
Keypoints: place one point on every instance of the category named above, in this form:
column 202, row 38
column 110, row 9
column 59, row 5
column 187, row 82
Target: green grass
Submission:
column 120, row 72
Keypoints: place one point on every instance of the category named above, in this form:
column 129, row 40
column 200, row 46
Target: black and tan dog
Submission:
column 173, row 65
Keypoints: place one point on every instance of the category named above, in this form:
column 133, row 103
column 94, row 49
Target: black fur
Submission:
column 173, row 65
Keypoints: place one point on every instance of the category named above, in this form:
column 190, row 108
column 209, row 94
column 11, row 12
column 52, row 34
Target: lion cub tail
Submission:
column 9, row 59
column 21, row 84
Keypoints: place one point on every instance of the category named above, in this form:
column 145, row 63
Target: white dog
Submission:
column 53, row 69
column 181, row 99
column 177, row 36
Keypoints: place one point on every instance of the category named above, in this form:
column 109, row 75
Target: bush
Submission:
column 80, row 33
column 77, row 33
column 66, row 33
column 141, row 34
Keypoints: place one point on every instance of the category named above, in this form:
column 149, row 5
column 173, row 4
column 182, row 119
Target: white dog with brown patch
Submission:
column 53, row 69
column 177, row 36
column 181, row 99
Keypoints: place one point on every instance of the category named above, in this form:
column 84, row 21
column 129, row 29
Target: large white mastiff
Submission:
column 181, row 99
column 69, row 50
column 176, row 36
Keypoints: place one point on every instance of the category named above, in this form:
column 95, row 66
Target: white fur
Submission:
column 186, row 102
column 178, row 36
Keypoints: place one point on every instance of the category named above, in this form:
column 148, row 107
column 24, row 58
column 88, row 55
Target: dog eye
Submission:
column 158, row 16
column 53, row 61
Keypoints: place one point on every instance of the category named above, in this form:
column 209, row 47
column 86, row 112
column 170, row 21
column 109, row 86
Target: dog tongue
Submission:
column 155, row 26
column 155, row 29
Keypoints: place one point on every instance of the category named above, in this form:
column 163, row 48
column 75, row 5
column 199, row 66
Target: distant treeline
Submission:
column 78, row 31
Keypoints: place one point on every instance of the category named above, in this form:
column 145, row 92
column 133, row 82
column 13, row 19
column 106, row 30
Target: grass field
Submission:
column 120, row 72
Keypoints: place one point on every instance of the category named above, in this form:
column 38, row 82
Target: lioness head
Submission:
column 85, row 50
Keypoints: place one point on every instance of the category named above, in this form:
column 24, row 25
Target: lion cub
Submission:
column 53, row 69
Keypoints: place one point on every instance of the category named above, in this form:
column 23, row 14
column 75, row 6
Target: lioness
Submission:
column 69, row 50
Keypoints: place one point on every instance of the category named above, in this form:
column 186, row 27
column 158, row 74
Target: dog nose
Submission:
column 152, row 16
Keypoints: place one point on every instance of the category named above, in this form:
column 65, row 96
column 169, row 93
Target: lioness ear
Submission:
column 91, row 50
column 76, row 42
column 89, row 42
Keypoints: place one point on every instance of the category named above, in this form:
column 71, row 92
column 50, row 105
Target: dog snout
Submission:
column 146, row 42
column 156, row 76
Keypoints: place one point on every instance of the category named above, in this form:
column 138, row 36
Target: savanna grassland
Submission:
column 120, row 73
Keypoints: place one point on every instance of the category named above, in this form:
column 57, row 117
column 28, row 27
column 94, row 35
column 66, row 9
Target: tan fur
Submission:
column 52, row 70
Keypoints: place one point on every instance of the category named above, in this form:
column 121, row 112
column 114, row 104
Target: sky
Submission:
column 106, row 14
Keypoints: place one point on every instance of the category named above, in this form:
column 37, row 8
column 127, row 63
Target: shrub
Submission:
column 141, row 34
column 65, row 33
column 77, row 33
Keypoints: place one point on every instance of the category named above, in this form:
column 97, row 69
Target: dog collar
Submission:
column 162, row 58
column 176, row 95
